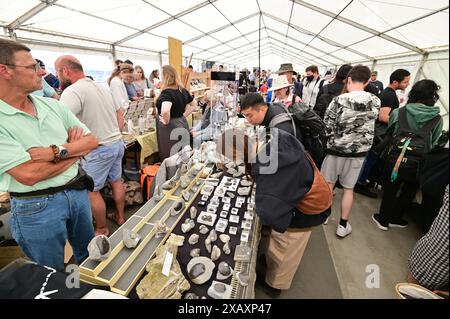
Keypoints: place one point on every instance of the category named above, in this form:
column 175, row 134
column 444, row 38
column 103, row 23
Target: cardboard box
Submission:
column 10, row 253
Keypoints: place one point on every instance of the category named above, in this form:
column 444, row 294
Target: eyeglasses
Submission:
column 35, row 67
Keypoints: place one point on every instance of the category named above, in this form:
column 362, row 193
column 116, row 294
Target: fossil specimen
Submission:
column 130, row 238
column 99, row 248
column 200, row 269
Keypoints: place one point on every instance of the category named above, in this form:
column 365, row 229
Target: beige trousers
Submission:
column 284, row 253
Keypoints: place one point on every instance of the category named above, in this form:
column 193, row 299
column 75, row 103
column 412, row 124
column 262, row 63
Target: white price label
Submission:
column 167, row 264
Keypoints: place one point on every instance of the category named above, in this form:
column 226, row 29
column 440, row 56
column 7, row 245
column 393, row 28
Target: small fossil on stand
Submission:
column 184, row 181
column 130, row 238
column 161, row 229
column 99, row 248
column 200, row 269
column 168, row 185
column 219, row 290
column 186, row 195
column 177, row 208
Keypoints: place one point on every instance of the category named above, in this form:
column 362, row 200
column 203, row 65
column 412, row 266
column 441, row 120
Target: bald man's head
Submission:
column 69, row 62
column 68, row 70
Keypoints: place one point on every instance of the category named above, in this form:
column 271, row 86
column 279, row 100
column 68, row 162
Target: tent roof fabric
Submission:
column 304, row 32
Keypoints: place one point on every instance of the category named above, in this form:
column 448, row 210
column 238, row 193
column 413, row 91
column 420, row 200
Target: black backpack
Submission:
column 406, row 150
column 309, row 128
column 323, row 101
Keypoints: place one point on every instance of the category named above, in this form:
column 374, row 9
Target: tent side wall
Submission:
column 435, row 67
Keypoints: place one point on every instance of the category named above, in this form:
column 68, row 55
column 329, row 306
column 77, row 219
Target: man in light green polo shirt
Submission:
column 41, row 143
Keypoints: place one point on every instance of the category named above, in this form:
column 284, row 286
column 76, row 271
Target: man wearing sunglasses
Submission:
column 41, row 143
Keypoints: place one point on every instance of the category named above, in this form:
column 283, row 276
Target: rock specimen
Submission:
column 231, row 195
column 224, row 271
column 187, row 225
column 168, row 185
column 191, row 295
column 219, row 290
column 184, row 181
column 195, row 252
column 212, row 236
column 242, row 279
column 177, row 207
column 246, row 183
column 200, row 269
column 227, row 249
column 193, row 239
column 224, row 238
column 156, row 285
column 217, row 175
column 186, row 195
column 130, row 238
column 208, row 245
column 99, row 248
column 203, row 229
column 193, row 212
column 161, row 229
column 244, row 191
column 215, row 253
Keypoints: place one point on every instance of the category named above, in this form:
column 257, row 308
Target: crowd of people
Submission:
column 370, row 141
column 61, row 135
column 61, row 143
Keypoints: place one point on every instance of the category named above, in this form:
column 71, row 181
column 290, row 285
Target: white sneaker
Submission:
column 342, row 231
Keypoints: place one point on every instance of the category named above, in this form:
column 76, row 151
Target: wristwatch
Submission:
column 59, row 153
column 63, row 152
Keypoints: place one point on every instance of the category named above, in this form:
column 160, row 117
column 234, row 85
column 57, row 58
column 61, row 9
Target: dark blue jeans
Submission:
column 42, row 225
column 369, row 163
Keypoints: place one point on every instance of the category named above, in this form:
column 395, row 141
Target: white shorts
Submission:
column 347, row 169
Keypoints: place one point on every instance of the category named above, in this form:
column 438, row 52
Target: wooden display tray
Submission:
column 124, row 266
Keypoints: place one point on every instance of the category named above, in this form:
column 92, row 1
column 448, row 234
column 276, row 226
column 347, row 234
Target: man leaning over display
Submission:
column 41, row 143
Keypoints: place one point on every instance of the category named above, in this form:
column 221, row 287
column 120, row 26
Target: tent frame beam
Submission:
column 420, row 68
column 169, row 19
column 30, row 14
column 222, row 28
column 303, row 43
column 312, row 60
column 360, row 26
column 218, row 45
column 329, row 41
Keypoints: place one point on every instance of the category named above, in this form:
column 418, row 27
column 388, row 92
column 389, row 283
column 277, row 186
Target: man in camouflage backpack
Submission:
column 350, row 120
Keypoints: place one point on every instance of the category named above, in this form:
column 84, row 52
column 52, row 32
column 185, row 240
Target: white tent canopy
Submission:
column 238, row 32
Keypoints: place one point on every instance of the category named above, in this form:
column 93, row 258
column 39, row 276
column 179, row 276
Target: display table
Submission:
column 124, row 268
column 148, row 144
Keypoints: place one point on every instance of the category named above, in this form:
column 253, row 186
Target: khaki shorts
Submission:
column 347, row 169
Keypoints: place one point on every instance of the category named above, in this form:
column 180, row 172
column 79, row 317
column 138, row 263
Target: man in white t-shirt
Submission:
column 94, row 106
